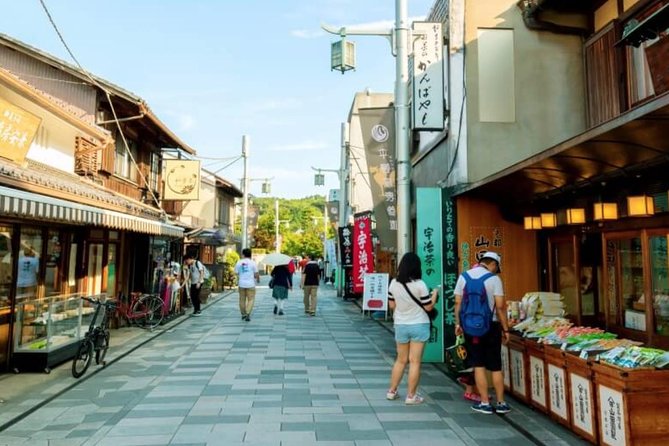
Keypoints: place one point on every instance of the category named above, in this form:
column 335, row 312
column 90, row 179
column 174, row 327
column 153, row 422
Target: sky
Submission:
column 214, row 70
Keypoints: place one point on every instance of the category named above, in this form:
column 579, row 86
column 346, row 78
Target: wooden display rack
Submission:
column 559, row 408
column 581, row 394
column 518, row 365
column 537, row 375
column 632, row 405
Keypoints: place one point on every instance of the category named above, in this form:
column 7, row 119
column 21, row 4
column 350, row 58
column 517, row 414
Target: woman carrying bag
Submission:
column 411, row 301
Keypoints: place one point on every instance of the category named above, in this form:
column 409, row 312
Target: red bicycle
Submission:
column 141, row 310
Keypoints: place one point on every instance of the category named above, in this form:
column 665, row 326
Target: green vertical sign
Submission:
column 450, row 264
column 429, row 248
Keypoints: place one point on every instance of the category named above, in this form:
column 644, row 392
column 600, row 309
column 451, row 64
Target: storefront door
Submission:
column 6, row 280
column 94, row 273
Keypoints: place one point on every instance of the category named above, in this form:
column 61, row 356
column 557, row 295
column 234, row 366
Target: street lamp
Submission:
column 399, row 38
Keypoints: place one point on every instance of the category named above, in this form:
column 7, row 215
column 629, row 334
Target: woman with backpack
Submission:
column 410, row 300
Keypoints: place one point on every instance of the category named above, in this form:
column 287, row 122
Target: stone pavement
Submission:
column 277, row 380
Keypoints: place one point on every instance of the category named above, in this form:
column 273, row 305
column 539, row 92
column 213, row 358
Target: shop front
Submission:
column 53, row 251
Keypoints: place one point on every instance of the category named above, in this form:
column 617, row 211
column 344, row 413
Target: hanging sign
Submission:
column 346, row 246
column 375, row 294
column 182, row 180
column 17, row 130
column 428, row 77
column 363, row 255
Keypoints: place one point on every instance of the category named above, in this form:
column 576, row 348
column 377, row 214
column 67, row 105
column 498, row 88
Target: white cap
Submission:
column 494, row 256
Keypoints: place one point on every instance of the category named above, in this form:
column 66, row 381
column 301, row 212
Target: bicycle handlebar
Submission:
column 108, row 304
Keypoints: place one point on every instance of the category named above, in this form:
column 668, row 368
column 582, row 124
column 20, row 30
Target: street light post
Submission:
column 399, row 37
column 276, row 225
column 245, row 192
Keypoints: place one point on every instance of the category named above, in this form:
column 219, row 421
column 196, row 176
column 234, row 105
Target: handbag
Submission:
column 432, row 314
column 271, row 283
column 456, row 356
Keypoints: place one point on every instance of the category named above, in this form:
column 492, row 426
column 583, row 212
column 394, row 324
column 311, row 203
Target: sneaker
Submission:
column 502, row 407
column 248, row 318
column 471, row 396
column 280, row 312
column 197, row 313
column 482, row 408
column 392, row 395
column 414, row 400
column 276, row 309
column 243, row 317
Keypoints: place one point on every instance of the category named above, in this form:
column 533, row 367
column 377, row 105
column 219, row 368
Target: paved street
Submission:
column 277, row 380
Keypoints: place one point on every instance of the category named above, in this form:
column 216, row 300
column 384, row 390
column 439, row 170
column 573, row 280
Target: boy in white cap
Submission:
column 480, row 313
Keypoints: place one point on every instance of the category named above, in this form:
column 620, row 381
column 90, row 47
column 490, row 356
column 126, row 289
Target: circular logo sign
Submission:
column 380, row 133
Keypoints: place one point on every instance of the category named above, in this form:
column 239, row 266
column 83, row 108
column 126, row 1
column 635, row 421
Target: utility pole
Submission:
column 343, row 205
column 399, row 37
column 245, row 191
column 276, row 224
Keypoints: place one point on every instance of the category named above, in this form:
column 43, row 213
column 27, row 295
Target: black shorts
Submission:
column 486, row 351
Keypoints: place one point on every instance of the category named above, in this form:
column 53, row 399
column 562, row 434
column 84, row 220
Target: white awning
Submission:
column 16, row 203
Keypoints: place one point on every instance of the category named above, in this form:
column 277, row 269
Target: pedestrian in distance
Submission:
column 247, row 278
column 196, row 278
column 410, row 299
column 282, row 279
column 480, row 313
column 321, row 269
column 309, row 283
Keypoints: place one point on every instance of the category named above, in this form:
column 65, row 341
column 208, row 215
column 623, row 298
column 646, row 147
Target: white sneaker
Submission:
column 414, row 400
column 392, row 395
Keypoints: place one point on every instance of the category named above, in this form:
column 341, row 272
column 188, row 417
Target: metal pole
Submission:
column 402, row 125
column 276, row 223
column 325, row 231
column 245, row 190
column 343, row 174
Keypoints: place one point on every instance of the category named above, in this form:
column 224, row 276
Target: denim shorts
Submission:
column 412, row 332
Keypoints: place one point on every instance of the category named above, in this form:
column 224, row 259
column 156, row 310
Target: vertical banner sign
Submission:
column 450, row 264
column 428, row 77
column 363, row 256
column 378, row 136
column 333, row 211
column 429, row 249
column 346, row 246
column 332, row 254
column 375, row 295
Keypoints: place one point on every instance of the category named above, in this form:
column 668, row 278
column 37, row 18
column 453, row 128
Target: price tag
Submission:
column 563, row 347
column 583, row 355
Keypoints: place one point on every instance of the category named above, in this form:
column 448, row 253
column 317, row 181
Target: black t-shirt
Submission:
column 312, row 273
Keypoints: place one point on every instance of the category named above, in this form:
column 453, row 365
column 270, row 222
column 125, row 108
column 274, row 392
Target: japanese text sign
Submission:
column 363, row 255
column 375, row 294
column 17, row 130
column 428, row 77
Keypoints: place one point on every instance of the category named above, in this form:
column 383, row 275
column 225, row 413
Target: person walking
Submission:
column 196, row 278
column 309, row 283
column 481, row 283
column 282, row 278
column 247, row 277
column 410, row 300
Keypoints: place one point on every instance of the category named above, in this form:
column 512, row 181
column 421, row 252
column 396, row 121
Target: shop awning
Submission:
column 621, row 147
column 21, row 204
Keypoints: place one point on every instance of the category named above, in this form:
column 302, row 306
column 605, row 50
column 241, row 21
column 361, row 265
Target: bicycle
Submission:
column 96, row 338
column 143, row 310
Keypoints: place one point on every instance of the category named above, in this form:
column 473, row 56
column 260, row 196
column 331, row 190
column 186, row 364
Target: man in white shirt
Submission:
column 196, row 270
column 484, row 352
column 247, row 273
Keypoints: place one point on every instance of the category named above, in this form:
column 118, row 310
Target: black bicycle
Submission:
column 96, row 339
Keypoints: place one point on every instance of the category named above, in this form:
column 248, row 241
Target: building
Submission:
column 80, row 190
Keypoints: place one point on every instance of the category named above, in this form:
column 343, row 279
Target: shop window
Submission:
column 624, row 266
column 72, row 268
column 94, row 269
column 565, row 279
column 660, row 281
column 125, row 159
column 28, row 272
column 111, row 270
column 113, row 235
column 6, row 281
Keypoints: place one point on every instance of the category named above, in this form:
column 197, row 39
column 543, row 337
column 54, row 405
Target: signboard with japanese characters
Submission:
column 182, row 180
column 378, row 136
column 333, row 211
column 611, row 416
column 333, row 195
column 505, row 367
column 375, row 295
column 17, row 131
column 449, row 264
column 428, row 77
column 556, row 386
column 518, row 373
column 538, row 380
column 581, row 403
column 346, row 246
column 363, row 255
column 429, row 249
column 481, row 239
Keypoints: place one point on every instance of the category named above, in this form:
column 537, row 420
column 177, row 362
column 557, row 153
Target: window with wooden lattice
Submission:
column 87, row 156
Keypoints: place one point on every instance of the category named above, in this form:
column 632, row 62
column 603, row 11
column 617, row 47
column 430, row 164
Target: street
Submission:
column 276, row 380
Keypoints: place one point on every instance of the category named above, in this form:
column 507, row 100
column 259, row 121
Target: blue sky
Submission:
column 214, row 70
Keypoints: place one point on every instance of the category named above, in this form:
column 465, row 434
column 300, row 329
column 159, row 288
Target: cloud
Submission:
column 308, row 145
column 306, row 33
column 265, row 105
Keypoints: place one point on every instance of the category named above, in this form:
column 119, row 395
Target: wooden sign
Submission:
column 17, row 131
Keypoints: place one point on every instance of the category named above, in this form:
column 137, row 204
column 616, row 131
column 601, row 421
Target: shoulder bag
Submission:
column 432, row 314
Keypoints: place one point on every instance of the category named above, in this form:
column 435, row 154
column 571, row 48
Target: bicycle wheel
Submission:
column 83, row 358
column 102, row 347
column 151, row 310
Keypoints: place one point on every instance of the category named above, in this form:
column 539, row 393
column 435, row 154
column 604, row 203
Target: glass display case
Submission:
column 47, row 331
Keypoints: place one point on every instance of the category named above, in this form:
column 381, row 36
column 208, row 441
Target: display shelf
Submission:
column 48, row 331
